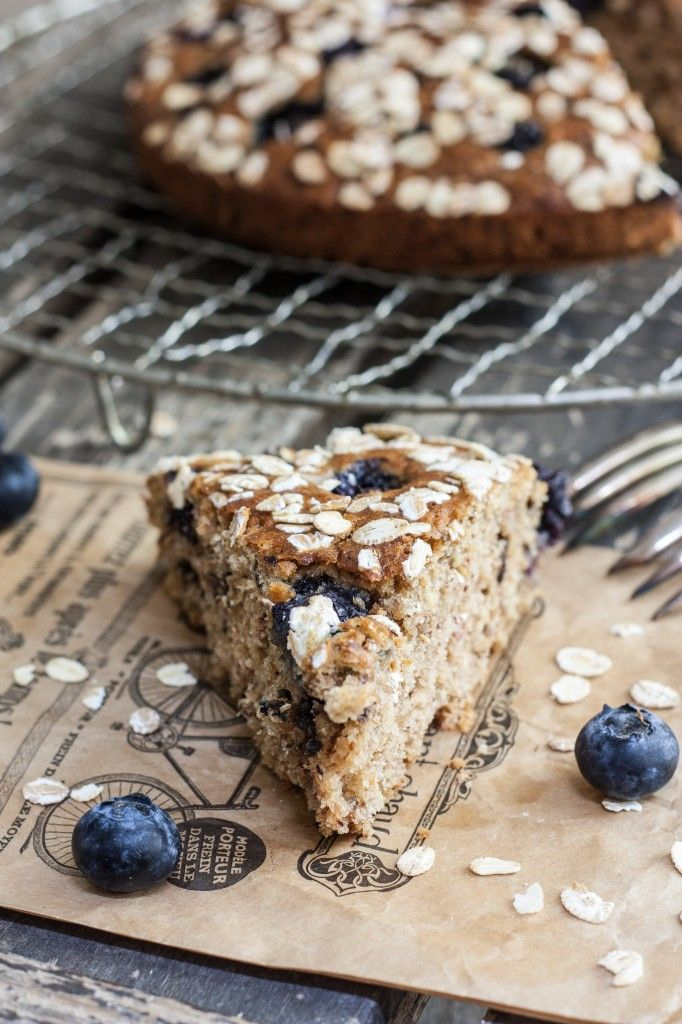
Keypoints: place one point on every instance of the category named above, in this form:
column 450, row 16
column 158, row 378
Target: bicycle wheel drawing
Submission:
column 199, row 706
column 54, row 827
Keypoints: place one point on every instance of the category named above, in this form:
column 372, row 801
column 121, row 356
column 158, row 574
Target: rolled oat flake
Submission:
column 66, row 670
column 582, row 661
column 416, row 861
column 586, row 905
column 176, row 674
column 45, row 791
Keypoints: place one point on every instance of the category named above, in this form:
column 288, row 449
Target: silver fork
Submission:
column 636, row 484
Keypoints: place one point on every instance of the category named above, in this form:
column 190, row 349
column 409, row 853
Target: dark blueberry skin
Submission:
column 207, row 76
column 19, row 486
column 528, row 9
column 365, row 475
column 521, row 69
column 558, row 508
column 348, row 601
column 126, row 844
column 526, row 135
column 627, row 752
column 347, row 49
column 283, row 122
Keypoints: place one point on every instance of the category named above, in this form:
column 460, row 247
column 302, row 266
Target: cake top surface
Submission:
column 447, row 108
column 372, row 505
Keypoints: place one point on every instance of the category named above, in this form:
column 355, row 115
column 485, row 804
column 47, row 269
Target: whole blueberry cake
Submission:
column 352, row 593
column 403, row 134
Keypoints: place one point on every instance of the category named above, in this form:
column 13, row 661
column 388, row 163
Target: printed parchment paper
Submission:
column 256, row 883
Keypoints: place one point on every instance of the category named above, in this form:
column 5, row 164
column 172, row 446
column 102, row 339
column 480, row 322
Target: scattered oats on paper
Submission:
column 626, row 629
column 570, row 689
column 582, row 661
column 176, row 674
column 562, row 744
column 531, row 901
column 416, row 861
column 493, row 866
column 650, row 694
column 86, row 793
column 621, row 805
column 94, row 698
column 144, row 721
column 586, row 905
column 626, row 966
column 66, row 670
column 45, row 791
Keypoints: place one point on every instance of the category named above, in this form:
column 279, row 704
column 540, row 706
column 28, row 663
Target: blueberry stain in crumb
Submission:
column 126, row 844
column 627, row 752
column 366, row 475
column 558, row 508
column 19, row 486
column 348, row 601
column 182, row 521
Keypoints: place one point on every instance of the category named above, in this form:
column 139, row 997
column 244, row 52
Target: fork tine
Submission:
column 613, row 458
column 671, row 567
column 627, row 475
column 668, row 606
column 653, row 543
column 631, row 500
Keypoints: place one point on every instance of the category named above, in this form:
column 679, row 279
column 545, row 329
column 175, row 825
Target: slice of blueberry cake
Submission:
column 351, row 594
column 451, row 135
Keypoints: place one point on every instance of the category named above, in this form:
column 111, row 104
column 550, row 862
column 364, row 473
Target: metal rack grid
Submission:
column 96, row 274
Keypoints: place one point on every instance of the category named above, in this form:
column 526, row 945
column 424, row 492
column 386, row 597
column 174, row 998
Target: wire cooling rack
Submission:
column 96, row 274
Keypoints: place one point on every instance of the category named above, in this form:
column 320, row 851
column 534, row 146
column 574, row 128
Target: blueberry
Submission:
column 365, row 475
column 521, row 69
column 348, row 601
column 627, row 752
column 558, row 507
column 19, row 485
column 283, row 122
column 526, row 135
column 126, row 844
column 182, row 520
column 207, row 76
column 528, row 9
column 348, row 49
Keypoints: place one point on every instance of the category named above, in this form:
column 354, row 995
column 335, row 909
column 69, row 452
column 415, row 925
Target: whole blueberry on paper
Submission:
column 627, row 752
column 19, row 485
column 126, row 844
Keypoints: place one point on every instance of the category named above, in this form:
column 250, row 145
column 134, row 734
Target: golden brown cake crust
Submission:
column 515, row 140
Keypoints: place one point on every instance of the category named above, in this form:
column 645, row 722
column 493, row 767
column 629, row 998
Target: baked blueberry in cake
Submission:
column 351, row 593
column 452, row 136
